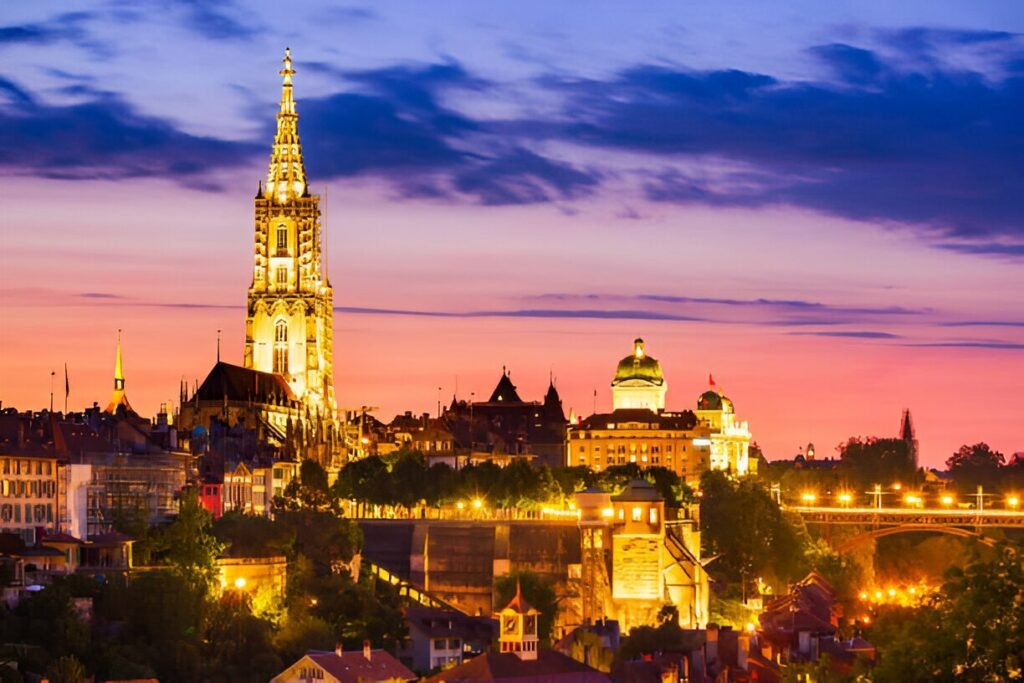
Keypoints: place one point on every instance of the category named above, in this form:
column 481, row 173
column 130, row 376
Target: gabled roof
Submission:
column 236, row 383
column 353, row 666
column 549, row 667
column 437, row 622
column 519, row 604
column 505, row 392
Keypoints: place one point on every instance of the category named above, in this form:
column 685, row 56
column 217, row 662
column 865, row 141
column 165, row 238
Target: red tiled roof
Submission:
column 549, row 667
column 353, row 666
column 60, row 538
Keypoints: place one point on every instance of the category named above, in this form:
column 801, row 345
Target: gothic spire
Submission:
column 286, row 178
column 118, row 398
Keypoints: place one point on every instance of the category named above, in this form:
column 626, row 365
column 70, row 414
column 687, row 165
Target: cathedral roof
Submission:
column 505, row 391
column 235, row 383
column 639, row 366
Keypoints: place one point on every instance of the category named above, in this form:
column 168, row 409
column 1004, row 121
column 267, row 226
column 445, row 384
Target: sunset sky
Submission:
column 822, row 205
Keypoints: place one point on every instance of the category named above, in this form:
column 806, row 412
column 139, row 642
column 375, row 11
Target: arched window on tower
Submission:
column 282, row 240
column 281, row 347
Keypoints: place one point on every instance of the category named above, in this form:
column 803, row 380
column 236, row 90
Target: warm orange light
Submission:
column 845, row 498
column 863, row 595
column 750, row 627
column 460, row 505
column 1013, row 501
column 892, row 592
column 947, row 500
column 808, row 497
column 240, row 582
column 878, row 595
column 477, row 503
column 897, row 486
column 866, row 619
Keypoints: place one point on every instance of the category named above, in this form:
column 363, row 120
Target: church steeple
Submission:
column 518, row 632
column 118, row 398
column 286, row 178
column 289, row 324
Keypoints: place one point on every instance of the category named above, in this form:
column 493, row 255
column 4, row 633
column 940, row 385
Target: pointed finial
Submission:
column 218, row 346
column 287, row 72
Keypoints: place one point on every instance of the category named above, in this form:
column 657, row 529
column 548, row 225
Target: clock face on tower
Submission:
column 530, row 625
column 509, row 625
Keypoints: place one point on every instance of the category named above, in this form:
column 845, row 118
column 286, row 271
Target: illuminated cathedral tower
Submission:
column 289, row 324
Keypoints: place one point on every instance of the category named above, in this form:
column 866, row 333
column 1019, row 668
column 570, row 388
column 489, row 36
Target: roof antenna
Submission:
column 218, row 346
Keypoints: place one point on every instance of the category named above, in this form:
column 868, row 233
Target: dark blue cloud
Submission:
column 69, row 27
column 995, row 345
column 216, row 20
column 105, row 138
column 850, row 64
column 788, row 306
column 852, row 334
column 392, row 122
column 942, row 148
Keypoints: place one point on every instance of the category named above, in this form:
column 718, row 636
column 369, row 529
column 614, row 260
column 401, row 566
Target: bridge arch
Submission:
column 854, row 541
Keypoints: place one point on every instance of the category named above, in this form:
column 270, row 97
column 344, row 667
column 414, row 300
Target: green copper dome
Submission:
column 712, row 400
column 639, row 365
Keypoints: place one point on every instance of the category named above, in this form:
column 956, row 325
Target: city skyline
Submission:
column 490, row 206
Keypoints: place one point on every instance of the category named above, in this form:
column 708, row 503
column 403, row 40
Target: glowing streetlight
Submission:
column 460, row 505
column 863, row 595
column 477, row 503
column 947, row 500
column 1013, row 502
column 897, row 486
column 808, row 498
column 750, row 627
column 845, row 498
column 240, row 582
column 892, row 592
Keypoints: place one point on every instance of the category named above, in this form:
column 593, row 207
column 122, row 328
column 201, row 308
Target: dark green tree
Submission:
column 974, row 466
column 190, row 547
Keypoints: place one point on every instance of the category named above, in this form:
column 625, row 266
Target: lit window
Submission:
column 653, row 515
column 637, row 514
column 281, row 347
column 282, row 276
column 282, row 237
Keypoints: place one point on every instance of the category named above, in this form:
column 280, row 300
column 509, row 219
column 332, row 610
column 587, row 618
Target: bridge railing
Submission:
column 894, row 515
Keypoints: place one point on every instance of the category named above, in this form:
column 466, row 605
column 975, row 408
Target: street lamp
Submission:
column 947, row 500
column 808, row 498
column 845, row 499
column 1013, row 502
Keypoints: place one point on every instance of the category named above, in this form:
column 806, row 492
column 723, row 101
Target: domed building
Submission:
column 639, row 382
column 730, row 438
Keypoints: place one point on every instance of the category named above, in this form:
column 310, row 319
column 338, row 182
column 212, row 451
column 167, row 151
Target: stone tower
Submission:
column 289, row 323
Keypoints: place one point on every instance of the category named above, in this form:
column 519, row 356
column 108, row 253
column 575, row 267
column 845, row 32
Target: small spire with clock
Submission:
column 518, row 620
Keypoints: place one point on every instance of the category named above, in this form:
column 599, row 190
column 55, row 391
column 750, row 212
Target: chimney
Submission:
column 367, row 652
column 337, row 649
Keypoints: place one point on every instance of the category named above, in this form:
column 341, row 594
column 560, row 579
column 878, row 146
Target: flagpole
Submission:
column 67, row 388
column 52, row 373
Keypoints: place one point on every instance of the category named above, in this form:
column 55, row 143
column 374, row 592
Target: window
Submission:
column 654, row 515
column 281, row 347
column 282, row 276
column 439, row 643
column 282, row 238
column 637, row 513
